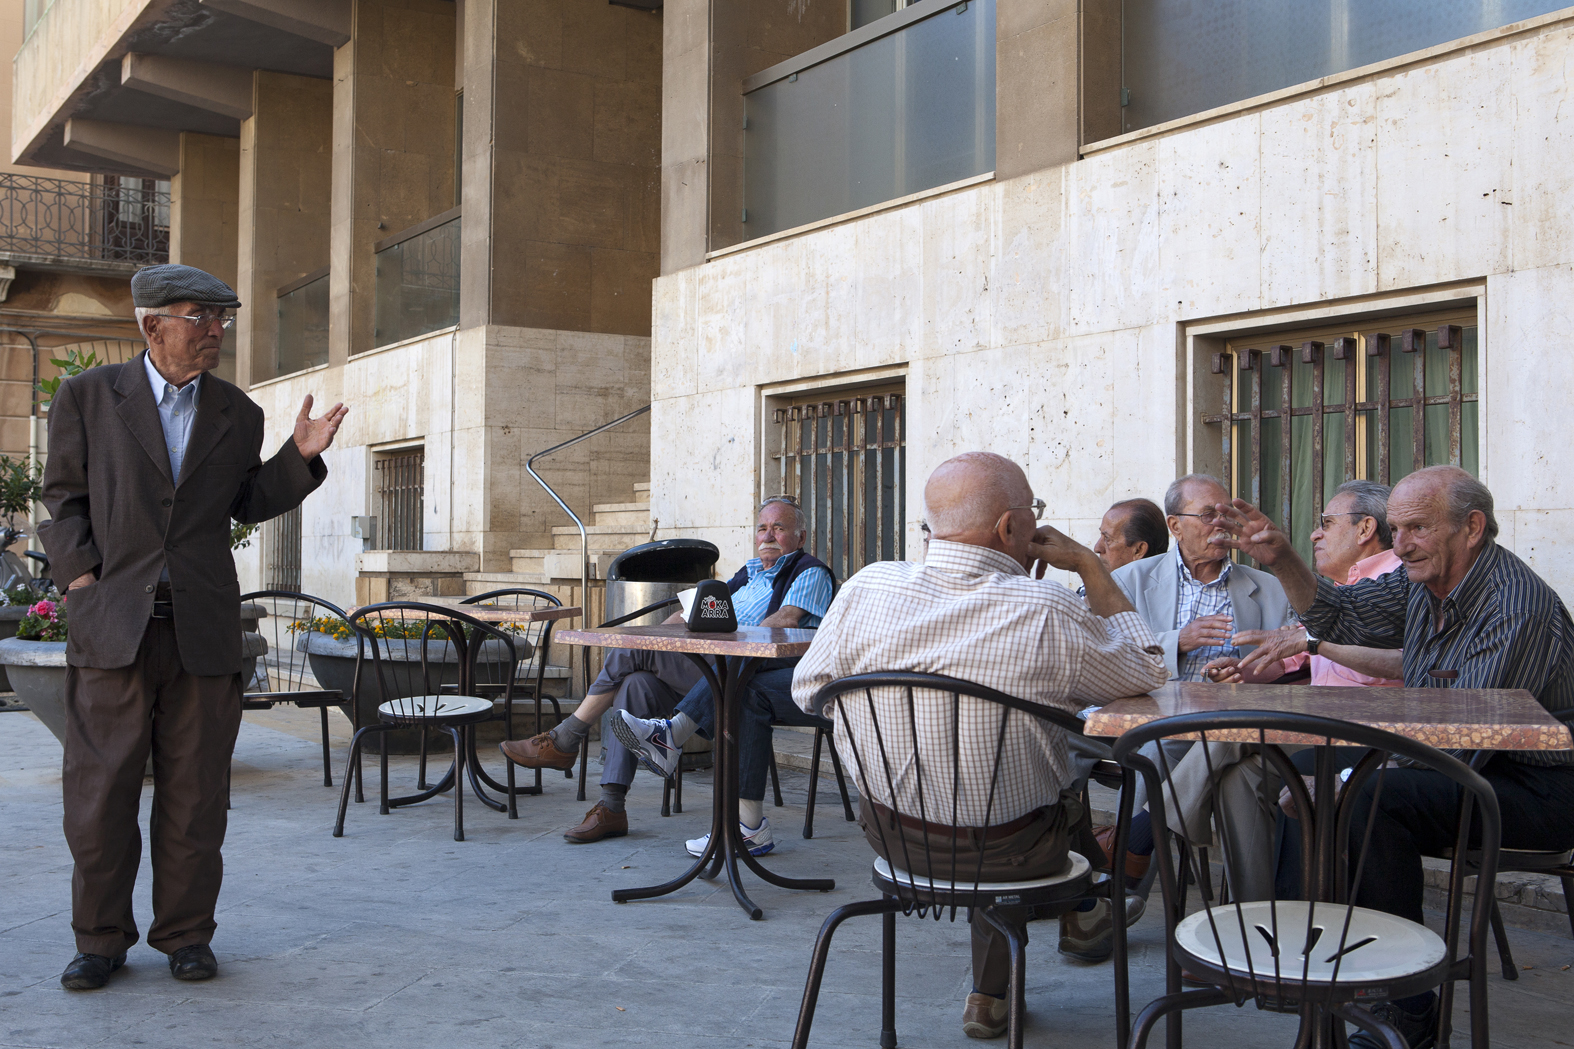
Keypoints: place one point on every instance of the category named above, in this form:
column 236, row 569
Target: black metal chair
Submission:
column 284, row 673
column 921, row 804
column 822, row 730
column 412, row 647
column 1319, row 956
column 534, row 642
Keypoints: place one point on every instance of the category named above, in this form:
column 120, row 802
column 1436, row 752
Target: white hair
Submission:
column 141, row 313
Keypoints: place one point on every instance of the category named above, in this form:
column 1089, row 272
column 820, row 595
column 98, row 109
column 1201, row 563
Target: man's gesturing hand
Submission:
column 313, row 436
column 1252, row 533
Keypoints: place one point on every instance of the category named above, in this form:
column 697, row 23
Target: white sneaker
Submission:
column 650, row 741
column 758, row 840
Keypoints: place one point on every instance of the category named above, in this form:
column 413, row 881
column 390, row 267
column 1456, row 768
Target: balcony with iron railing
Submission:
column 106, row 226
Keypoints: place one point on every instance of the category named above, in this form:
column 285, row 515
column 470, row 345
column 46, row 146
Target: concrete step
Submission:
column 635, row 521
column 612, row 508
column 642, row 486
column 564, row 564
column 618, row 539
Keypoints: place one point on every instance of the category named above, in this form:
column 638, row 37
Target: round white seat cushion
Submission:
column 420, row 707
column 1389, row 947
column 1079, row 867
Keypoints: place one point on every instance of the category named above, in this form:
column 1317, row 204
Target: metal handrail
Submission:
column 584, row 538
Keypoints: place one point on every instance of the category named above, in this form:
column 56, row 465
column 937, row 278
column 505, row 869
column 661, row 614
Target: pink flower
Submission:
column 44, row 609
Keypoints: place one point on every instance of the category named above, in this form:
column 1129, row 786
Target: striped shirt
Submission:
column 972, row 613
column 811, row 591
column 1501, row 627
column 1194, row 601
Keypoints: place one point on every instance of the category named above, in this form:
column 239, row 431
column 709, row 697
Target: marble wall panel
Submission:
column 1541, row 538
column 1526, row 393
column 676, row 311
column 959, row 272
column 1541, row 223
column 1445, row 176
column 1319, row 219
column 1210, row 220
column 1107, row 264
column 702, row 459
column 1030, row 297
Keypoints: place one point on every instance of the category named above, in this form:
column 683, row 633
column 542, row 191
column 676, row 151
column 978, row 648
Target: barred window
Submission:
column 1393, row 397
column 401, row 493
column 844, row 461
column 281, row 549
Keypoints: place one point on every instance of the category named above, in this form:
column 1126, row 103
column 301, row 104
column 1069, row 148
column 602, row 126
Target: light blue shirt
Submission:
column 177, row 410
column 1195, row 600
column 811, row 591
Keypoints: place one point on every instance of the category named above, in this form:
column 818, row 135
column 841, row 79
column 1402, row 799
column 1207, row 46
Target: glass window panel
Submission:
column 1187, row 56
column 866, row 11
column 301, row 340
column 418, row 285
column 910, row 111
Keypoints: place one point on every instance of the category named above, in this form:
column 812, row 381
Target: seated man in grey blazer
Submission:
column 1195, row 600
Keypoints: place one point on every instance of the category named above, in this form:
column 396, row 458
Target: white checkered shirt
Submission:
column 1195, row 600
column 972, row 613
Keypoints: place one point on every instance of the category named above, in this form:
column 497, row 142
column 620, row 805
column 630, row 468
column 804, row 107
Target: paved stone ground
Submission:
column 396, row 935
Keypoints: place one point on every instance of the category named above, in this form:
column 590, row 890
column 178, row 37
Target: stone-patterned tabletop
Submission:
column 1446, row 718
column 486, row 613
column 769, row 642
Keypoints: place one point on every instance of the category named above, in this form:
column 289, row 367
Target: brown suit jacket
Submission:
column 117, row 512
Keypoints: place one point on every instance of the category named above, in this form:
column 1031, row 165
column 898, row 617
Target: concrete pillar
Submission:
column 562, row 155
column 285, row 155
column 393, row 148
column 685, row 133
column 204, row 199
column 1037, row 114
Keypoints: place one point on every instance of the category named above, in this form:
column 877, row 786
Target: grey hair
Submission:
column 1465, row 495
column 141, row 313
column 1370, row 499
column 1175, row 494
column 800, row 520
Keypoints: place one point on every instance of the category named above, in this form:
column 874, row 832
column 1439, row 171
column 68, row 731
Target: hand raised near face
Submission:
column 1249, row 530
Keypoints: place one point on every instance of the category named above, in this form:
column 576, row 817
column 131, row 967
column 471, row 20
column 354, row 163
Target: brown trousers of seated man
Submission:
column 1037, row 850
column 114, row 720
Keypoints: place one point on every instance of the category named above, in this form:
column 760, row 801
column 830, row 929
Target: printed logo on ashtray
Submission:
column 710, row 608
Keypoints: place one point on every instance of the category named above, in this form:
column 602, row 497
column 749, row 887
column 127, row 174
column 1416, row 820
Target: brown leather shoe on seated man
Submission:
column 537, row 752
column 600, row 822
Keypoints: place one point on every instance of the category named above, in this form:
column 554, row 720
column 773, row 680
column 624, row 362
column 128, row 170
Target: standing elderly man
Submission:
column 972, row 611
column 148, row 463
column 782, row 586
column 1468, row 614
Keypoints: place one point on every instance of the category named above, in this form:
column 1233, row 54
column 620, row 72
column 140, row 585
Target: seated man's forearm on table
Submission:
column 1373, row 662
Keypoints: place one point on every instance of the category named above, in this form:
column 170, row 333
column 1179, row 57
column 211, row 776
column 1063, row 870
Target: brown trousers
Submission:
column 1037, row 850
column 114, row 719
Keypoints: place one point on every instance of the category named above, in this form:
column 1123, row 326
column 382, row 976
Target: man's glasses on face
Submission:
column 224, row 318
column 1327, row 521
column 1207, row 517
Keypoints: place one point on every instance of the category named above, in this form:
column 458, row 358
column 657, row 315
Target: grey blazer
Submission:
column 118, row 513
column 1258, row 600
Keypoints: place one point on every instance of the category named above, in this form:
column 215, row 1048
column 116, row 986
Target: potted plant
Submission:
column 331, row 648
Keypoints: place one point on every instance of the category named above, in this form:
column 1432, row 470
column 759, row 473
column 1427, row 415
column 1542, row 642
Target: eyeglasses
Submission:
column 1207, row 517
column 788, row 499
column 1327, row 521
column 225, row 318
column 1037, row 506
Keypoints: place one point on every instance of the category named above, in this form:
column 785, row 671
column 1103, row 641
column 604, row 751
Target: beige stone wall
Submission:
column 285, row 190
column 73, row 36
column 204, row 206
column 481, row 401
column 1047, row 317
column 562, row 165
column 393, row 147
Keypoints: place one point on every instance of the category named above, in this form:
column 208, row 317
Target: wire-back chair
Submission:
column 534, row 644
column 910, row 784
column 406, row 650
column 1323, row 955
column 284, row 674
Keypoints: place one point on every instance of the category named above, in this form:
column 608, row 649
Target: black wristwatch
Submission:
column 1312, row 644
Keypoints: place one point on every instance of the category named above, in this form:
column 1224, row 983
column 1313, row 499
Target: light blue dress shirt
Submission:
column 177, row 410
column 811, row 591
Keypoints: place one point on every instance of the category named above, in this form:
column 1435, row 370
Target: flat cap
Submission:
column 157, row 286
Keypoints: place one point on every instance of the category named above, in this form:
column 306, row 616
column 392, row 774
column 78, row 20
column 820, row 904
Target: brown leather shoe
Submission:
column 985, row 1016
column 600, row 822
column 537, row 752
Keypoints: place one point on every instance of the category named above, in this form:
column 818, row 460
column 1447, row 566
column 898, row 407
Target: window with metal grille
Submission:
column 401, row 491
column 281, row 550
column 845, row 461
column 1393, row 398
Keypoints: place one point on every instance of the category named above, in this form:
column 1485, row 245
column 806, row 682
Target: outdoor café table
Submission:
column 1478, row 719
column 486, row 614
column 734, row 658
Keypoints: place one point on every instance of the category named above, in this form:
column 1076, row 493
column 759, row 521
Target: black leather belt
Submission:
column 163, row 610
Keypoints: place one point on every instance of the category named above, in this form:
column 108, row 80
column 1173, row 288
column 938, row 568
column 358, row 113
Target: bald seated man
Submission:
column 975, row 610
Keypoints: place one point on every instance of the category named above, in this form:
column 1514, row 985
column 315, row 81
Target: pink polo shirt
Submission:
column 1324, row 670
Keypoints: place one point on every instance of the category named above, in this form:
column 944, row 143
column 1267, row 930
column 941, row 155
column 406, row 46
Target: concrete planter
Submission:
column 333, row 665
column 10, row 616
column 37, row 670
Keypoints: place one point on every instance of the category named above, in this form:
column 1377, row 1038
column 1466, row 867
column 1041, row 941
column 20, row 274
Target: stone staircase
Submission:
column 611, row 529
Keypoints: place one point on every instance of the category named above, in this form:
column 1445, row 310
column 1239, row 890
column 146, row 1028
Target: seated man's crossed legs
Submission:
column 659, row 741
column 646, row 684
